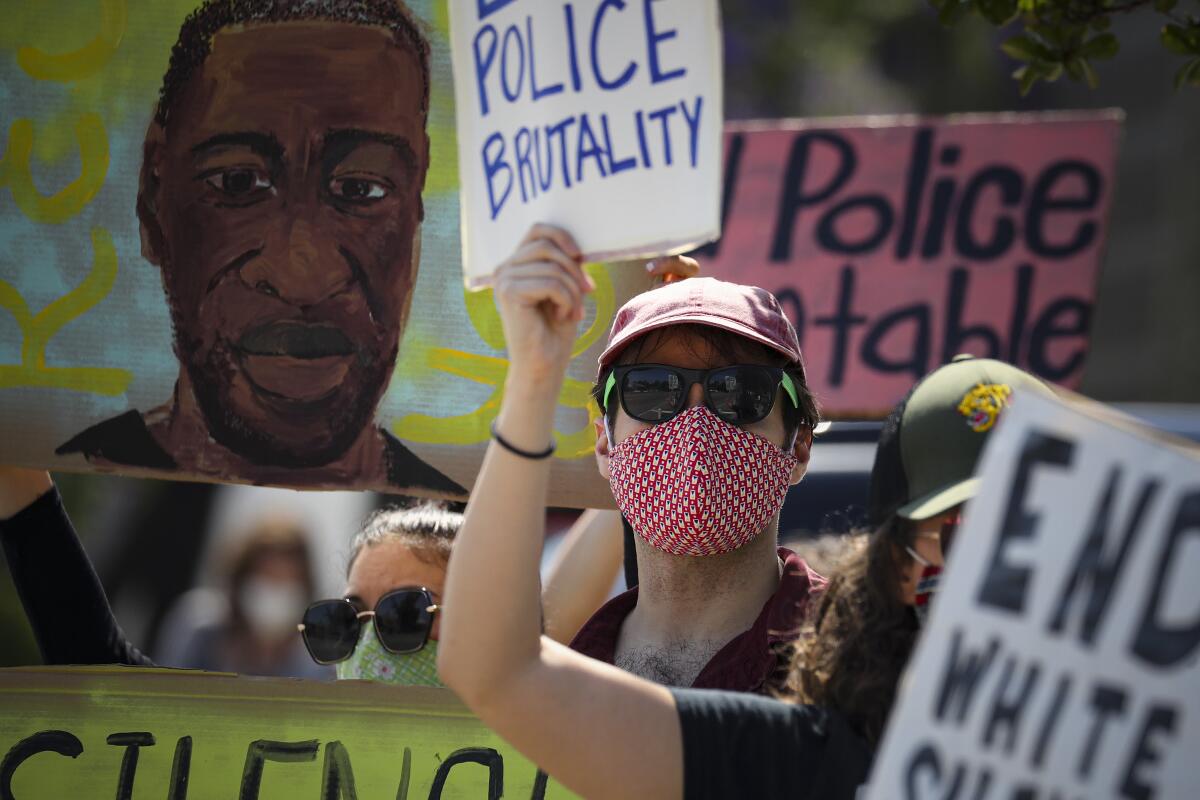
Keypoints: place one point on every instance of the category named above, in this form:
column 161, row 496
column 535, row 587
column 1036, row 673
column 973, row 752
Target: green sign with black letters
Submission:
column 132, row 733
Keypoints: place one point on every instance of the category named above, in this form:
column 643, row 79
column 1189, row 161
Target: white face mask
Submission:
column 272, row 609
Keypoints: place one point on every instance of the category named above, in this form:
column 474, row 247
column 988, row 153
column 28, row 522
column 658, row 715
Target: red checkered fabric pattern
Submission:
column 698, row 486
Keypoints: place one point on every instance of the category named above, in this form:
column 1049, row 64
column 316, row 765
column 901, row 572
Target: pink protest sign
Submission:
column 896, row 243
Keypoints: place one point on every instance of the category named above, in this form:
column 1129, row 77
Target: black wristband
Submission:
column 516, row 451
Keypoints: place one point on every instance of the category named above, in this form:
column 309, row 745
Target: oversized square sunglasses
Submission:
column 402, row 619
column 741, row 394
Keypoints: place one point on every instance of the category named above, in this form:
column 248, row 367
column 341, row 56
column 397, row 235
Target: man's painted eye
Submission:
column 239, row 182
column 356, row 189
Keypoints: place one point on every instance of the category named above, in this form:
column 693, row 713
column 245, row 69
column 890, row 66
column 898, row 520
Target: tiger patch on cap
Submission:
column 981, row 406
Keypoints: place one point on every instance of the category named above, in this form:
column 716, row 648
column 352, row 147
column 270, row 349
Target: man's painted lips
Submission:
column 296, row 361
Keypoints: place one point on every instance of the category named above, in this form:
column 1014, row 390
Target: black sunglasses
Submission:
column 741, row 394
column 402, row 618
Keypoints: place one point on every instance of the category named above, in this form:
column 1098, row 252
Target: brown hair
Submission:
column 860, row 634
column 428, row 529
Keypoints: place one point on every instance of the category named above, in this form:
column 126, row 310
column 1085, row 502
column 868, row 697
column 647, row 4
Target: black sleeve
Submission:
column 62, row 596
column 743, row 745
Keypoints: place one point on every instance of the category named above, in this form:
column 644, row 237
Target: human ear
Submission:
column 150, row 227
column 601, row 426
column 802, row 450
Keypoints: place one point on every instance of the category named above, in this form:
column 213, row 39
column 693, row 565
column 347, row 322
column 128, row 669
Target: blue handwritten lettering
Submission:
column 521, row 146
column 488, row 7
column 560, row 129
column 613, row 164
column 492, row 165
column 653, row 37
column 512, row 34
column 630, row 68
column 538, row 93
column 483, row 64
column 693, row 123
column 591, row 149
column 663, row 115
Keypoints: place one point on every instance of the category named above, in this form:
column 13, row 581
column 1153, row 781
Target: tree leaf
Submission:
column 1103, row 45
column 1027, row 76
column 1189, row 73
column 1175, row 38
column 997, row 12
column 952, row 11
column 1089, row 74
column 1101, row 23
column 1164, row 6
column 1025, row 48
column 1075, row 68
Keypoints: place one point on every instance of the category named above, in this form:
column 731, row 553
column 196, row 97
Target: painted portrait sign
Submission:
column 895, row 243
column 229, row 250
column 598, row 116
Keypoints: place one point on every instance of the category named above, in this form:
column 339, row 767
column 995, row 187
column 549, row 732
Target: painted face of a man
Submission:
column 283, row 203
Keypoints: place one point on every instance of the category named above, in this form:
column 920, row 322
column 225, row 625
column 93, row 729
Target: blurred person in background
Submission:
column 268, row 576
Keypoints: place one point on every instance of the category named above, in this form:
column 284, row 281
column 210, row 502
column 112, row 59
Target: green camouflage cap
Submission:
column 943, row 427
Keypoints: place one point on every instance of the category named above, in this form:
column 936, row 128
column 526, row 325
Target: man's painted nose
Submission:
column 298, row 266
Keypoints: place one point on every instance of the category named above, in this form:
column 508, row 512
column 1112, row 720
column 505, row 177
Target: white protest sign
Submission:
column 1061, row 656
column 601, row 116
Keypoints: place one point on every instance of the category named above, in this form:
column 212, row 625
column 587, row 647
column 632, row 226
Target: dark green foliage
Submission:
column 1066, row 36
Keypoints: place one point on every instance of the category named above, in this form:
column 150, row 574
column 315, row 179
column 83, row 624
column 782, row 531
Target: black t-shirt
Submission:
column 741, row 745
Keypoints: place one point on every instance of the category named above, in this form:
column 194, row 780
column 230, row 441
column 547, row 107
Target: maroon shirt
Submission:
column 746, row 662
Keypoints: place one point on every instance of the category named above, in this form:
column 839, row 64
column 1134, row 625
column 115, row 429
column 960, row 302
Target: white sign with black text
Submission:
column 1062, row 657
column 601, row 116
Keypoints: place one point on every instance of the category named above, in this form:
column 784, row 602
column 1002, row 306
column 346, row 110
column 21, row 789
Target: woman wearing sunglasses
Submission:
column 866, row 624
column 383, row 629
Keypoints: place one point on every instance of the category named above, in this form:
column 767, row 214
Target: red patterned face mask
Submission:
column 698, row 486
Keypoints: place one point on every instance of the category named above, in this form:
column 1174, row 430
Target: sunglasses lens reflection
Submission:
column 330, row 630
column 403, row 620
column 742, row 395
column 652, row 394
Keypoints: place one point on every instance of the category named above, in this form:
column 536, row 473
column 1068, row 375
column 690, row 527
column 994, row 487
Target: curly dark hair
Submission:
column 859, row 636
column 196, row 33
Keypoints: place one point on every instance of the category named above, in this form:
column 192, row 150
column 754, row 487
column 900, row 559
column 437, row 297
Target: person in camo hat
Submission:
column 864, row 627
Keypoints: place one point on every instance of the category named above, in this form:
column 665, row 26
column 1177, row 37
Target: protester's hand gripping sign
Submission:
column 1061, row 658
column 600, row 116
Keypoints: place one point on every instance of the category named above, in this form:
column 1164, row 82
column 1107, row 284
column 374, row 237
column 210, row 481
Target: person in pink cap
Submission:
column 707, row 422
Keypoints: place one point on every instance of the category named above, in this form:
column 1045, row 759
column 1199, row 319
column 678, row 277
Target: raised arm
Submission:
column 583, row 572
column 598, row 730
column 58, row 587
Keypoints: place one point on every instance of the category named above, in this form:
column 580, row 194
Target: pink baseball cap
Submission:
column 745, row 310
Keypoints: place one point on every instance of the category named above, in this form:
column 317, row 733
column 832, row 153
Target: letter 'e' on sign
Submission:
column 1062, row 657
column 603, row 117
